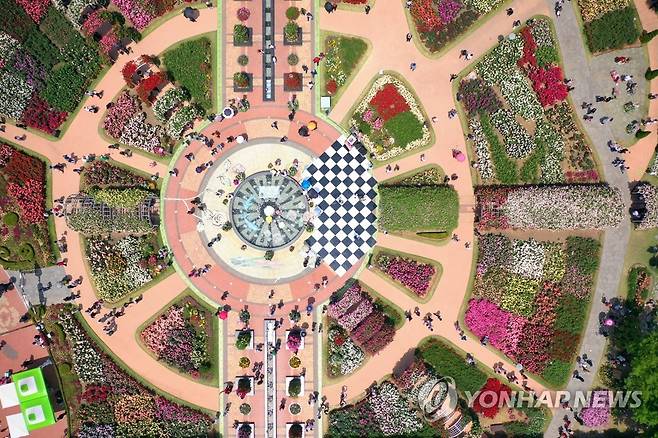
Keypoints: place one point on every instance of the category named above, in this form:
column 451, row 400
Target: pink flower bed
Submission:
column 412, row 274
column 134, row 12
column 92, row 22
column 109, row 41
column 350, row 320
column 125, row 107
column 159, row 330
column 504, row 329
column 351, row 297
column 598, row 414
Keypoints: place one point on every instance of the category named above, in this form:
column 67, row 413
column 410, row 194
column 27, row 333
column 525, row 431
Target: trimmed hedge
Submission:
column 428, row 208
column 64, row 88
column 645, row 37
column 449, row 363
column 613, row 30
column 189, row 65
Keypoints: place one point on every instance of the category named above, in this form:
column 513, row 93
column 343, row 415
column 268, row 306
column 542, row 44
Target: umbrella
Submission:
column 312, row 125
column 306, row 184
column 191, row 13
column 223, row 314
column 329, row 7
column 458, row 155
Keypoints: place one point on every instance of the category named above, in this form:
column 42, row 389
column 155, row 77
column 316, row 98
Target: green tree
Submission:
column 644, row 377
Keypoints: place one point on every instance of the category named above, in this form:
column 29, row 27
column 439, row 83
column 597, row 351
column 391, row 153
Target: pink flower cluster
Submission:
column 93, row 22
column 504, row 329
column 598, row 414
column 109, row 41
column 36, row 9
column 412, row 274
column 352, row 308
column 449, row 10
column 135, row 13
column 125, row 107
column 156, row 334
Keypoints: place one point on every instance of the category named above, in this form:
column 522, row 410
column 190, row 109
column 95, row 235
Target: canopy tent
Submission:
column 33, row 398
column 17, row 426
column 8, row 395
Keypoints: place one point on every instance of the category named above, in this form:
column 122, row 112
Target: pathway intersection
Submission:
column 385, row 28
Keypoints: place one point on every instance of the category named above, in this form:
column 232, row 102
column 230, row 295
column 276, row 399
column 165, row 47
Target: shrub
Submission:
column 429, row 208
column 39, row 46
column 448, row 363
column 243, row 340
column 243, row 14
column 243, row 60
column 241, row 79
column 64, row 88
column 245, row 408
column 642, row 133
column 240, row 34
column 292, row 13
column 10, row 219
column 651, row 74
column 295, row 387
column 506, row 171
column 293, row 59
column 290, row 31
column 613, row 30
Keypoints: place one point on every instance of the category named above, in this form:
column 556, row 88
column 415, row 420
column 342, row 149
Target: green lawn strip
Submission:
column 429, row 208
column 505, row 167
column 354, row 53
column 105, row 349
column 184, row 62
column 435, row 280
column 213, row 353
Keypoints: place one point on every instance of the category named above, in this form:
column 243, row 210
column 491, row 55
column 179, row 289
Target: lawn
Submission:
column 342, row 56
column 190, row 64
column 418, row 209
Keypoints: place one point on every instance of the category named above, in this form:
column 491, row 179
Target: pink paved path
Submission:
column 385, row 27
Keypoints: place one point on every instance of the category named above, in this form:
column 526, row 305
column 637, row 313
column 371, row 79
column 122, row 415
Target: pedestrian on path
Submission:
column 367, row 9
column 576, row 375
column 412, row 66
column 409, row 36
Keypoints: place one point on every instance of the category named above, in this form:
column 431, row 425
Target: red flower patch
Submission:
column 487, row 402
column 42, row 116
column 389, row 102
column 529, row 48
column 548, row 85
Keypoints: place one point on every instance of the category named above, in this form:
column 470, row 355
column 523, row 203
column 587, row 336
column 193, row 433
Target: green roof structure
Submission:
column 33, row 398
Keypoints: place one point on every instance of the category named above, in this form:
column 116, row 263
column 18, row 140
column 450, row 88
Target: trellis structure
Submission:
column 147, row 211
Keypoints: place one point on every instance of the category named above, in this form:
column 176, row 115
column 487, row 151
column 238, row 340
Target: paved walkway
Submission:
column 42, row 286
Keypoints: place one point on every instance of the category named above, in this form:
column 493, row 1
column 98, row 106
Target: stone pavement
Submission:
column 42, row 286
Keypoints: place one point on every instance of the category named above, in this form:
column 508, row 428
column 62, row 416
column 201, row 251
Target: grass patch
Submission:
column 613, row 30
column 418, row 208
column 190, row 64
column 505, row 167
column 557, row 373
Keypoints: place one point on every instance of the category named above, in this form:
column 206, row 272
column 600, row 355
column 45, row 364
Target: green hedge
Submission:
column 38, row 45
column 645, row 37
column 428, row 208
column 64, row 88
column 505, row 167
column 613, row 30
column 651, row 74
column 189, row 64
column 449, row 363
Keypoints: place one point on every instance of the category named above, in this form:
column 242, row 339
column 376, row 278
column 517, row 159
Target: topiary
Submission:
column 651, row 74
column 26, row 252
column 295, row 387
column 292, row 13
column 243, row 340
column 293, row 59
column 295, row 431
column 245, row 408
column 243, row 60
column 269, row 255
column 10, row 219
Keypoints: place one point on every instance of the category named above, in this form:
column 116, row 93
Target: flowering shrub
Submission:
column 134, row 12
column 128, row 71
column 593, row 9
column 491, row 390
column 518, row 143
column 412, row 274
column 548, row 85
column 36, row 9
column 338, row 66
column 448, row 10
column 102, row 173
column 109, row 41
column 92, row 22
column 147, row 85
column 42, row 116
column 243, row 14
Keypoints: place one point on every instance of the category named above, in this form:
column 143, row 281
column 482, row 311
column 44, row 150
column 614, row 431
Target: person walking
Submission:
column 412, row 66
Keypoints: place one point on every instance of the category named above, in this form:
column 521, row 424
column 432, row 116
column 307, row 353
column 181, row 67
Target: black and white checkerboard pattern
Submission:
column 344, row 230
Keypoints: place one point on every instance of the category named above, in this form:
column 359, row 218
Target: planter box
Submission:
column 298, row 78
column 253, row 384
column 301, row 343
column 253, row 430
column 301, row 392
column 248, row 43
column 249, row 87
column 250, row 346
column 297, row 42
column 289, row 425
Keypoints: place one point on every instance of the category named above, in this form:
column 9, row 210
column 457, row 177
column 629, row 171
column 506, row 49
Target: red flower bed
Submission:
column 147, row 85
column 426, row 17
column 332, row 87
column 42, row 116
column 128, row 71
column 36, row 9
column 490, row 394
column 369, row 327
column 292, row 81
column 30, row 198
column 529, row 48
column 548, row 85
column 389, row 102
column 22, row 167
column 582, row 176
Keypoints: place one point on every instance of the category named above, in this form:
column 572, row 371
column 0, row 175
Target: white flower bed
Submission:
column 15, row 94
column 521, row 97
column 591, row 206
column 551, row 165
column 653, row 167
column 168, row 101
column 181, row 119
column 483, row 6
column 8, row 46
column 87, row 363
column 650, row 194
column 485, row 166
column 497, row 65
column 73, row 9
column 518, row 142
column 527, row 258
column 392, row 412
column 414, row 108
column 542, row 33
column 141, row 134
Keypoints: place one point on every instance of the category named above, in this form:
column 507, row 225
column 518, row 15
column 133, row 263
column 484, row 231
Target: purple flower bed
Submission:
column 34, row 73
column 598, row 414
column 410, row 273
column 448, row 10
column 125, row 107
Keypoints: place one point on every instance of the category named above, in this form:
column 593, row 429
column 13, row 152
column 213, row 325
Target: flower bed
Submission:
column 24, row 234
column 108, row 402
column 168, row 101
column 190, row 65
column 439, row 22
column 530, row 134
column 125, row 108
column 609, row 24
column 137, row 132
column 103, row 174
column 584, row 206
column 42, row 116
column 181, row 337
column 342, row 55
column 121, row 267
column 522, row 299
column 353, row 311
column 390, row 119
column 426, row 208
column 183, row 119
column 344, row 356
column 409, row 272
